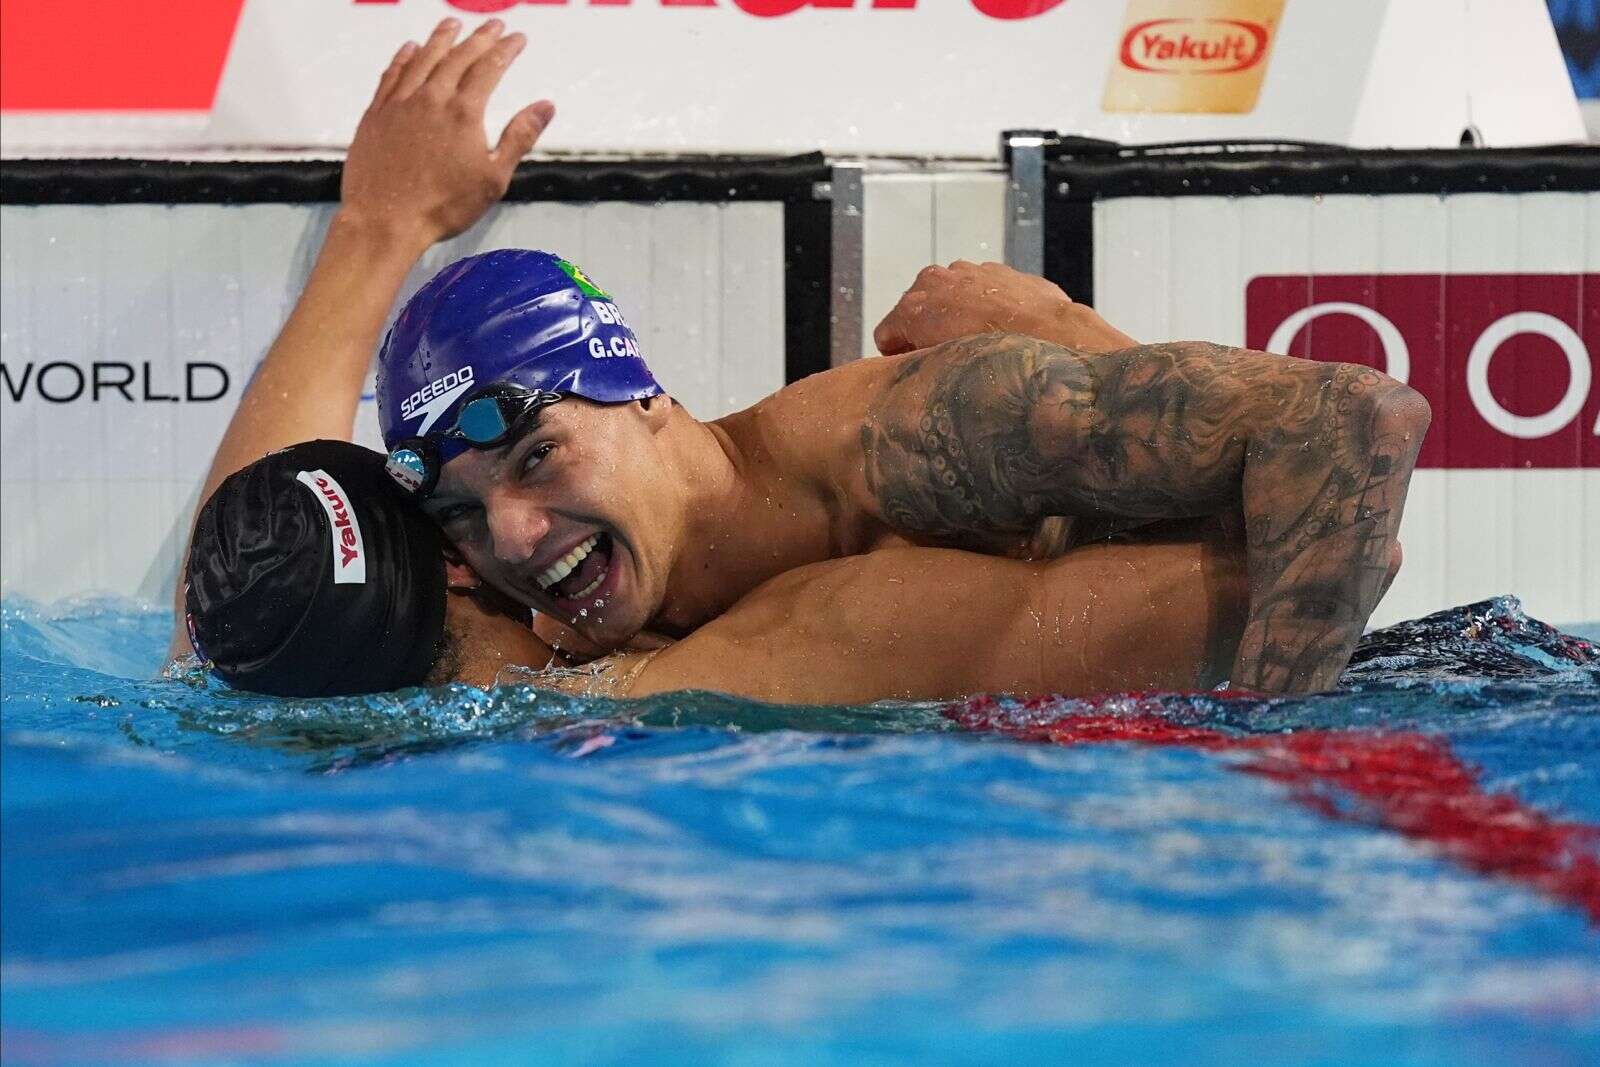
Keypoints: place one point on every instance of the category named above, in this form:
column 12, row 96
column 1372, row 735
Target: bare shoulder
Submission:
column 807, row 436
column 819, row 407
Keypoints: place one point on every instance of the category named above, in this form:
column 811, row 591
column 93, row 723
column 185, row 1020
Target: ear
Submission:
column 457, row 575
column 656, row 410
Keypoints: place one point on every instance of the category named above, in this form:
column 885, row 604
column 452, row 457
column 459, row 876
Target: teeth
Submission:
column 592, row 587
column 563, row 566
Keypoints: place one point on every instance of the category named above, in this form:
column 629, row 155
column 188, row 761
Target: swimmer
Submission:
column 533, row 432
column 622, row 514
column 309, row 575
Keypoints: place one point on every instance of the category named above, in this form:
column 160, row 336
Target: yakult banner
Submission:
column 917, row 77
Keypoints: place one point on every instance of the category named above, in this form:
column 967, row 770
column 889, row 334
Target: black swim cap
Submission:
column 309, row 576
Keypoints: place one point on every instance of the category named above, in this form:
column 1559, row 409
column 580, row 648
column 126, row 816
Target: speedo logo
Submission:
column 1194, row 46
column 435, row 398
column 349, row 554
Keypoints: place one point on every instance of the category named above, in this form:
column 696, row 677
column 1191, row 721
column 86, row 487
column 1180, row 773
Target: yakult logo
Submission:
column 1502, row 358
column 1192, row 56
column 1194, row 46
column 349, row 553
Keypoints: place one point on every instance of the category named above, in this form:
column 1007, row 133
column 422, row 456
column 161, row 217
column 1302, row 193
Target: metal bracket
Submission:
column 1024, row 152
column 845, row 192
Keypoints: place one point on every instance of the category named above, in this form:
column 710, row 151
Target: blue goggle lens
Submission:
column 482, row 420
column 410, row 470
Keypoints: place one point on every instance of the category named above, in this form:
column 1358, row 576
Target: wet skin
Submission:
column 970, row 444
column 696, row 514
column 928, row 624
column 515, row 511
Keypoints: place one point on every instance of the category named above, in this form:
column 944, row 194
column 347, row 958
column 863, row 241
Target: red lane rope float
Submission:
column 1410, row 783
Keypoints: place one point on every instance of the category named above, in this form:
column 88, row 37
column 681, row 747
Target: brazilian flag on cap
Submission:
column 581, row 280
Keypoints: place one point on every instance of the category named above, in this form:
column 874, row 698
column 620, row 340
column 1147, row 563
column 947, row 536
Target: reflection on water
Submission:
column 1392, row 873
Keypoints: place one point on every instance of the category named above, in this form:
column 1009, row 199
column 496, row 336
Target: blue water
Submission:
column 197, row 876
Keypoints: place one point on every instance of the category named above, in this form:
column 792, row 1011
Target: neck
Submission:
column 708, row 465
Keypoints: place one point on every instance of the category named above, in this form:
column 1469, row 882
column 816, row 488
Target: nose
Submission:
column 516, row 526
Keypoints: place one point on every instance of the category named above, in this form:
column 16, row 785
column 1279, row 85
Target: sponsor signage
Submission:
column 114, row 55
column 1199, row 56
column 1505, row 360
column 348, row 552
column 109, row 381
column 867, row 77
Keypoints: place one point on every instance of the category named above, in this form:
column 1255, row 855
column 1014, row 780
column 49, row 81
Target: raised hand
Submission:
column 419, row 165
column 963, row 299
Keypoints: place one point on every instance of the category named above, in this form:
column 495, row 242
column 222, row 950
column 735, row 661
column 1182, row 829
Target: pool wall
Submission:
column 97, row 483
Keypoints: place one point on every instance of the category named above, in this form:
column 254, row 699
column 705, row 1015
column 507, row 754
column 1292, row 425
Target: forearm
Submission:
column 309, row 383
column 1322, row 510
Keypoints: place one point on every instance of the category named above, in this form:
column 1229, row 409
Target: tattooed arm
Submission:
column 975, row 440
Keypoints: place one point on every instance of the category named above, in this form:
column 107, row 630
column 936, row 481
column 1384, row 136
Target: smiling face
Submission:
column 572, row 516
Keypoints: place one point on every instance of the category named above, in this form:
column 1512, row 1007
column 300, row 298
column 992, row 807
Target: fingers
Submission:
column 447, row 75
column 890, row 336
column 427, row 57
column 391, row 76
column 485, row 73
column 522, row 133
column 889, row 340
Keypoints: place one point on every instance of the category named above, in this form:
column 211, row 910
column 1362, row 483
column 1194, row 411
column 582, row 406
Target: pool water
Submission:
column 1406, row 871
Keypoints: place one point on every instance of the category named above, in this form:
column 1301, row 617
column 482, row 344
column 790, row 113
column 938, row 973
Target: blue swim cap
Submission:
column 515, row 315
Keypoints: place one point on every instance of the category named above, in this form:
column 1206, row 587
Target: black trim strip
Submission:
column 807, row 225
column 807, row 288
column 143, row 181
column 1078, row 171
column 1069, row 248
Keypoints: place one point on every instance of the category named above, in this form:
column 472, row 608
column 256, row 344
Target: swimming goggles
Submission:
column 488, row 416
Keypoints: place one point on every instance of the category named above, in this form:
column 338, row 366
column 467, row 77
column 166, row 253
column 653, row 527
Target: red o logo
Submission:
column 1502, row 358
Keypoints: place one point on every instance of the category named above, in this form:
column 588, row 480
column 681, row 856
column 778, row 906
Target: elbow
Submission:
column 1400, row 409
column 1393, row 406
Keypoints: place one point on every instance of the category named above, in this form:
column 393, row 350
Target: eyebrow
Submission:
column 529, row 425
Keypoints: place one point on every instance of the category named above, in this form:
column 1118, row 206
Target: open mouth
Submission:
column 581, row 576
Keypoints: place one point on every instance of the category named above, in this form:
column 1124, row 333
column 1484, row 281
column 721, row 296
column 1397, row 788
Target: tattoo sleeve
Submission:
column 975, row 441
